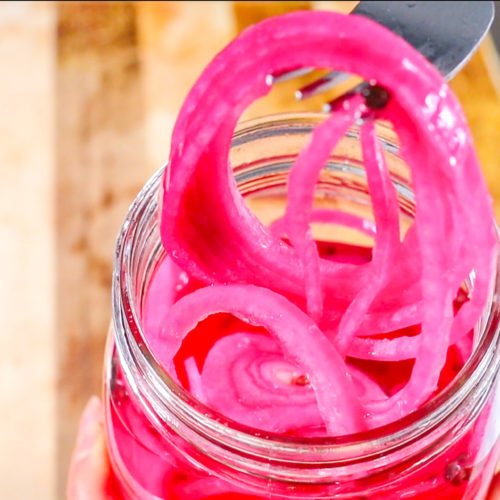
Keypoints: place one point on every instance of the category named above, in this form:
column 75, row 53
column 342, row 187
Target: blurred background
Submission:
column 88, row 97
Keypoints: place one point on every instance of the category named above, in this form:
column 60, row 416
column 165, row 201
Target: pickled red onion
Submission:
column 194, row 379
column 301, row 182
column 300, row 339
column 386, row 211
column 247, row 378
column 210, row 233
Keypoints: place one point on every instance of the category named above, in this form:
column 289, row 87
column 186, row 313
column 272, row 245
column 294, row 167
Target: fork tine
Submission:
column 283, row 76
column 326, row 82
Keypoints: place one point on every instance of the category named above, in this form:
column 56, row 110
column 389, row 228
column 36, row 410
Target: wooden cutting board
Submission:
column 96, row 88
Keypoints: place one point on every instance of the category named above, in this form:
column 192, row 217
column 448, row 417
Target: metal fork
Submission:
column 446, row 33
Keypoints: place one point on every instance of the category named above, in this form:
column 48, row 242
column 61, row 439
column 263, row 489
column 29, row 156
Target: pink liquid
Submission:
column 153, row 466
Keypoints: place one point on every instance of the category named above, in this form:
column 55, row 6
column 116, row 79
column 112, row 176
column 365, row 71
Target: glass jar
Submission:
column 164, row 444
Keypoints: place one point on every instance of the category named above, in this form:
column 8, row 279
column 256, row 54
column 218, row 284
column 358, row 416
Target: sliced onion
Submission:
column 386, row 211
column 247, row 378
column 194, row 379
column 301, row 182
column 298, row 336
column 209, row 232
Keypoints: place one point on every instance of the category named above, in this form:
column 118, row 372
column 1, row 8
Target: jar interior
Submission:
column 261, row 160
column 262, row 155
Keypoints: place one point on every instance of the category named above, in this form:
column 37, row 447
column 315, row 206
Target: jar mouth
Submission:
column 131, row 344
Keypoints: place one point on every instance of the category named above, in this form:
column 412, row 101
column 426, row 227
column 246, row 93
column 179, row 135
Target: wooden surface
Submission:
column 100, row 167
column 27, row 252
column 96, row 88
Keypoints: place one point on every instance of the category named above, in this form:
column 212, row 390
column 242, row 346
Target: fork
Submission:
column 446, row 33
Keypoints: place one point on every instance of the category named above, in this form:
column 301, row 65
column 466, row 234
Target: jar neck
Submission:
column 268, row 456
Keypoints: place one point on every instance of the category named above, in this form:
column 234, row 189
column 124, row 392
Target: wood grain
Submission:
column 27, row 251
column 477, row 87
column 100, row 168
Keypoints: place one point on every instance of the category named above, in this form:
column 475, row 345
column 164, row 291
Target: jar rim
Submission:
column 484, row 358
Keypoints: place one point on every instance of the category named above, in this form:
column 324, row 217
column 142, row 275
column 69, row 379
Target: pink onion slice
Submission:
column 194, row 379
column 161, row 294
column 397, row 349
column 168, row 283
column 235, row 247
column 386, row 208
column 370, row 349
column 210, row 233
column 366, row 388
column 301, row 183
column 300, row 339
column 440, row 248
column 386, row 211
column 406, row 347
column 246, row 377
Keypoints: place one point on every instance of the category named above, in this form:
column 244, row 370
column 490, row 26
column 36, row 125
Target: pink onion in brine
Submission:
column 318, row 310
